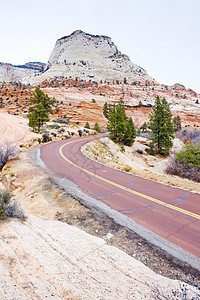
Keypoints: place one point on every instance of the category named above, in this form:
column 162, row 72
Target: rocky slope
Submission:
column 48, row 259
column 86, row 55
column 9, row 72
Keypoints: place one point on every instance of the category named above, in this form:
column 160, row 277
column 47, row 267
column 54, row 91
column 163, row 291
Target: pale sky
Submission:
column 162, row 36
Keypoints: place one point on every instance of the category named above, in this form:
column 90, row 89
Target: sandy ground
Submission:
column 14, row 129
column 146, row 166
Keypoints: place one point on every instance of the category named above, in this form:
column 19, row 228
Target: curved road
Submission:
column 171, row 213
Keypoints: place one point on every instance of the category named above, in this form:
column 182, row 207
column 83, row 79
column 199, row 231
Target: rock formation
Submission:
column 85, row 55
column 9, row 72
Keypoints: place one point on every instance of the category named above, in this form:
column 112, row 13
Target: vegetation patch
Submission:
column 186, row 163
column 8, row 208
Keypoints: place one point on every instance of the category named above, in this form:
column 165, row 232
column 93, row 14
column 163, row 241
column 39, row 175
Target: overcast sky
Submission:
column 162, row 36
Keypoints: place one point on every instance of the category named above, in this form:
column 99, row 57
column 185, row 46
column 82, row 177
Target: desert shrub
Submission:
column 63, row 121
column 5, row 197
column 182, row 293
column 182, row 169
column 7, row 152
column 14, row 210
column 122, row 149
column 190, row 155
column 45, row 137
column 186, row 163
column 138, row 132
column 54, row 126
column 80, row 132
column 139, row 151
column 127, row 168
column 150, row 150
column 61, row 130
column 193, row 136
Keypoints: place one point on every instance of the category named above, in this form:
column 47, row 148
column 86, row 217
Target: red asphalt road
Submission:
column 174, row 226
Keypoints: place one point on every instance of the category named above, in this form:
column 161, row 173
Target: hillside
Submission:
column 93, row 56
column 11, row 73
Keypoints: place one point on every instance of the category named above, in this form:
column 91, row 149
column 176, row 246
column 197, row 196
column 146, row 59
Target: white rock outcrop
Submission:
column 85, row 55
column 52, row 260
column 9, row 73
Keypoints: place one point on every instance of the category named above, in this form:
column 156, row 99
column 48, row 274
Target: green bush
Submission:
column 87, row 125
column 5, row 197
column 10, row 209
column 127, row 168
column 186, row 163
column 122, row 149
column 45, row 137
column 190, row 155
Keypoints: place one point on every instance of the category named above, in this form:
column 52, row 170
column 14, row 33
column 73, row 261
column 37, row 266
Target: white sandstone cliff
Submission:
column 85, row 55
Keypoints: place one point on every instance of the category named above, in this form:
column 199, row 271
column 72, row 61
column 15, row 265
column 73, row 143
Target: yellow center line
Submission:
column 191, row 214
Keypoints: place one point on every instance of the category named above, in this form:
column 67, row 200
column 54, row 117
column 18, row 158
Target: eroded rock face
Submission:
column 9, row 73
column 85, row 55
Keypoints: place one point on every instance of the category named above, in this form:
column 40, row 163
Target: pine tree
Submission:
column 96, row 127
column 39, row 113
column 105, row 110
column 117, row 123
column 40, row 97
column 161, row 126
column 1, row 102
column 121, row 129
column 177, row 123
column 87, row 125
column 144, row 127
column 130, row 133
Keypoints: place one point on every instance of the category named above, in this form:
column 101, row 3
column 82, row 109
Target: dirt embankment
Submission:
column 135, row 161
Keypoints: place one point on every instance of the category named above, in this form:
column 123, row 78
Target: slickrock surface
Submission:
column 86, row 55
column 49, row 259
column 14, row 129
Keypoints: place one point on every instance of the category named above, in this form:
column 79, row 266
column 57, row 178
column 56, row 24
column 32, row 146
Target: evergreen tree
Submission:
column 130, row 133
column 40, row 97
column 96, row 127
column 161, row 126
column 120, row 128
column 87, row 125
column 106, row 110
column 1, row 102
column 177, row 123
column 39, row 112
column 144, row 127
column 117, row 123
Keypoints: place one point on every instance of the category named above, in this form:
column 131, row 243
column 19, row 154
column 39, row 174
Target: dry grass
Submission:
column 114, row 161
